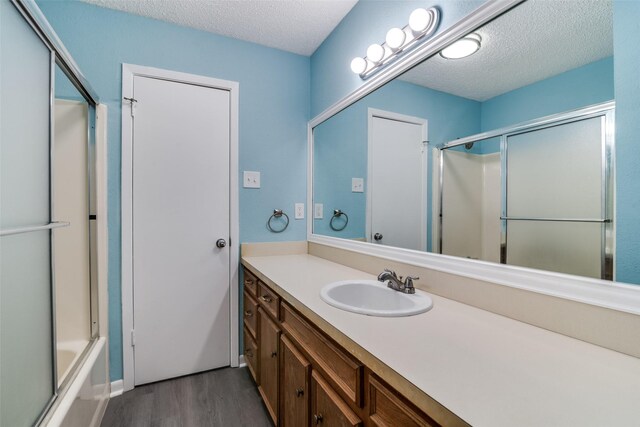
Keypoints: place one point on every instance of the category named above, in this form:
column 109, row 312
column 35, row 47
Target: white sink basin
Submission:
column 374, row 298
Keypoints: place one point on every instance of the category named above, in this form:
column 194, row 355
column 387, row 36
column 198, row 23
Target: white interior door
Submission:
column 181, row 136
column 397, row 181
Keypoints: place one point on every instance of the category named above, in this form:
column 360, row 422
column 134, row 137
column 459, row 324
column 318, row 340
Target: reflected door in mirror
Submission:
column 397, row 188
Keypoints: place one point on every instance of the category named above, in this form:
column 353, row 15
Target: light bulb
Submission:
column 462, row 48
column 395, row 38
column 375, row 53
column 419, row 20
column 358, row 65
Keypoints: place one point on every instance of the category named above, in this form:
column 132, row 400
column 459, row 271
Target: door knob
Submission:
column 221, row 243
column 377, row 237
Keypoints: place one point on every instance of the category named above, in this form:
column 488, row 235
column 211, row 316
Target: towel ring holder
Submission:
column 337, row 213
column 277, row 213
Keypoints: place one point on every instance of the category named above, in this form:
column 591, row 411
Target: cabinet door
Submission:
column 327, row 408
column 294, row 395
column 268, row 348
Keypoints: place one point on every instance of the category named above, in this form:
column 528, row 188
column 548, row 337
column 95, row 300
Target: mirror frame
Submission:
column 613, row 295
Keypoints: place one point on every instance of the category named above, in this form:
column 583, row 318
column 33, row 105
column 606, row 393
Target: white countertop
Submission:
column 487, row 369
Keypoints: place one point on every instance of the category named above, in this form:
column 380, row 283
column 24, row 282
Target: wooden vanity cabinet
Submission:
column 268, row 348
column 345, row 372
column 295, row 371
column 306, row 379
column 327, row 408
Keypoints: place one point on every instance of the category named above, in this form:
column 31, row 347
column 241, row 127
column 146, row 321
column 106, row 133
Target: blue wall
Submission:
column 577, row 88
column 626, row 42
column 368, row 22
column 274, row 110
column 340, row 146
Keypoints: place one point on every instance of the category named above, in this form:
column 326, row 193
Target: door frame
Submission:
column 389, row 115
column 129, row 71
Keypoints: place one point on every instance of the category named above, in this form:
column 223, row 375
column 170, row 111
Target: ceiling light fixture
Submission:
column 466, row 46
column 422, row 24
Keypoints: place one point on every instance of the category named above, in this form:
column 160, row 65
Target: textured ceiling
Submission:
column 297, row 26
column 534, row 41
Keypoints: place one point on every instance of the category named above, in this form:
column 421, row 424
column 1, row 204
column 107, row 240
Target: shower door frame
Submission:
column 606, row 110
column 59, row 56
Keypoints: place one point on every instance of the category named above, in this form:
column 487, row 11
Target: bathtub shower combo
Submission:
column 53, row 352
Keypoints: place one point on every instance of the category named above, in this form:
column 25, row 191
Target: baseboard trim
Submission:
column 241, row 362
column 117, row 388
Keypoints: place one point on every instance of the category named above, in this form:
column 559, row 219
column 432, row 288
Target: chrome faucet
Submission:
column 394, row 282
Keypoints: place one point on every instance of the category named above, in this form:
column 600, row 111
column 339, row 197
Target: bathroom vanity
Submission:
column 303, row 375
column 453, row 365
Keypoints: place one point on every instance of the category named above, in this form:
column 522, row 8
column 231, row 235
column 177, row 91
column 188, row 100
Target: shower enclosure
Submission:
column 538, row 194
column 48, row 286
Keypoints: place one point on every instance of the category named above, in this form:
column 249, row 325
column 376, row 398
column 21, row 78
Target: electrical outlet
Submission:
column 317, row 210
column 357, row 185
column 299, row 211
column 251, row 179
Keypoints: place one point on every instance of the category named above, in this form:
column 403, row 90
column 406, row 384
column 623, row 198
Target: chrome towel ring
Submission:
column 278, row 213
column 337, row 213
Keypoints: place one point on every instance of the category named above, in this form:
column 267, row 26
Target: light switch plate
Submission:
column 299, row 211
column 251, row 179
column 357, row 185
column 317, row 210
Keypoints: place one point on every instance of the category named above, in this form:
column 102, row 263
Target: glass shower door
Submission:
column 555, row 215
column 27, row 378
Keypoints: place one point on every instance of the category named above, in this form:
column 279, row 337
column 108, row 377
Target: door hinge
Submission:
column 132, row 103
column 133, row 338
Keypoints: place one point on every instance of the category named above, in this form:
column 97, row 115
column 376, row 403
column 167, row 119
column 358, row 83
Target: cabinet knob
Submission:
column 248, row 282
column 266, row 298
column 274, row 353
column 317, row 418
column 299, row 392
column 248, row 313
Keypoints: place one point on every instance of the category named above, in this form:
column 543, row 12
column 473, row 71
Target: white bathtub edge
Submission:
column 68, row 399
column 117, row 388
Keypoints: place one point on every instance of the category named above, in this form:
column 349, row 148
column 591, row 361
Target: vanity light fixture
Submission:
column 375, row 53
column 466, row 46
column 422, row 24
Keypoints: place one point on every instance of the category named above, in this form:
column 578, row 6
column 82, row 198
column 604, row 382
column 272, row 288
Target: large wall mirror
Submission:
column 504, row 156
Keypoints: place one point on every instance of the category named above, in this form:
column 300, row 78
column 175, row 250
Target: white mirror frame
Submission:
column 612, row 295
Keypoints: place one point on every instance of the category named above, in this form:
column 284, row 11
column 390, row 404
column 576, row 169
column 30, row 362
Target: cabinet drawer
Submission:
column 251, row 354
column 250, row 283
column 345, row 371
column 250, row 314
column 268, row 299
column 388, row 409
column 327, row 408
